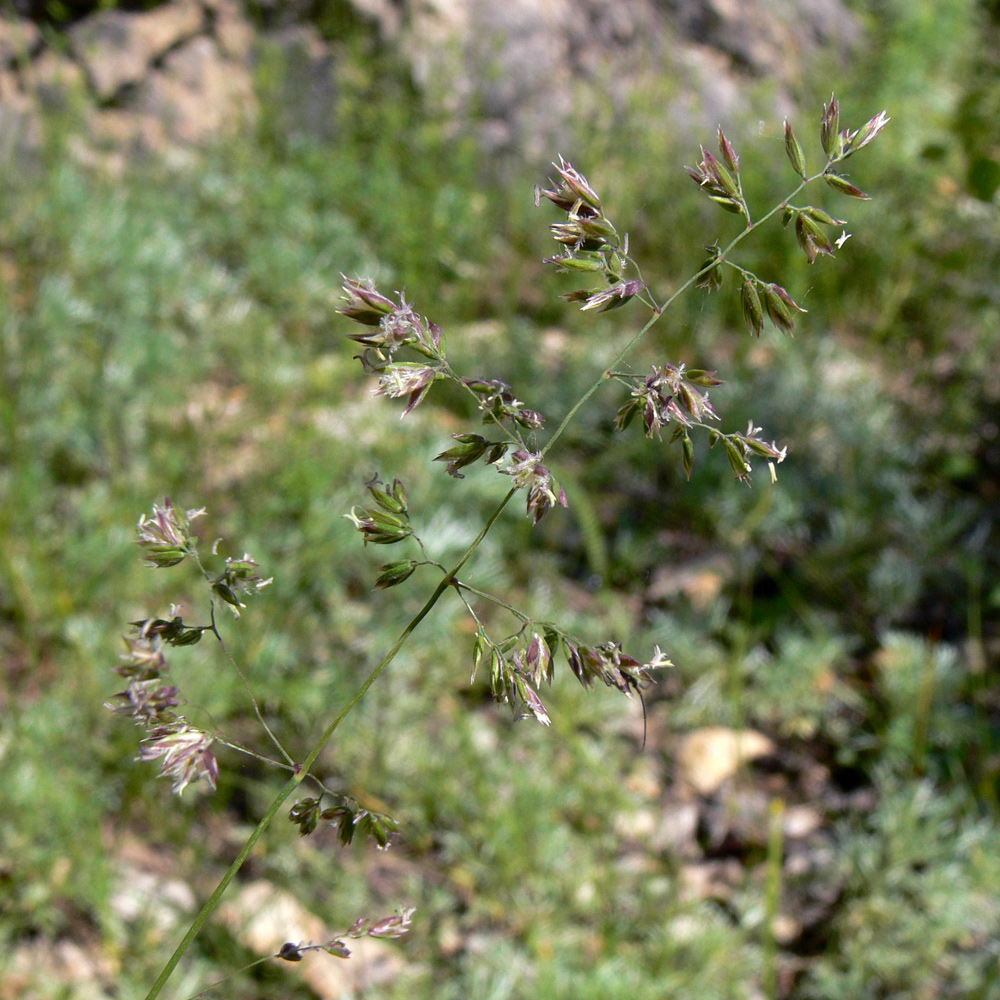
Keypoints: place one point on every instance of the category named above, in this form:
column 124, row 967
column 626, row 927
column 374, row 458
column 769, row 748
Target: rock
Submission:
column 20, row 127
column 498, row 61
column 141, row 895
column 699, row 581
column 117, row 48
column 522, row 74
column 710, row 880
column 233, row 32
column 800, row 822
column 386, row 14
column 198, row 95
column 635, row 824
column 813, row 882
column 677, row 830
column 708, row 757
column 10, row 88
column 18, row 40
column 55, row 79
column 687, row 927
column 61, row 968
column 785, row 928
column 633, row 864
column 308, row 88
column 263, row 917
column 449, row 937
column 737, row 820
column 527, row 70
column 765, row 37
column 130, row 132
column 111, row 163
column 178, row 75
column 645, row 778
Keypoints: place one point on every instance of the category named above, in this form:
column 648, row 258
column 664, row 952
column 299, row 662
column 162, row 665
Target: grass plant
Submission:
column 169, row 333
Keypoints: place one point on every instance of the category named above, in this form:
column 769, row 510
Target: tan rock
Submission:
column 140, row 895
column 20, row 129
column 55, row 78
column 677, row 830
column 386, row 14
column 18, row 39
column 526, row 68
column 635, row 824
column 10, row 87
column 700, row 582
column 131, row 131
column 117, row 48
column 708, row 757
column 263, row 917
column 233, row 32
column 46, row 968
column 801, row 821
column 195, row 64
column 710, row 880
column 198, row 95
column 111, row 163
column 739, row 818
column 785, row 928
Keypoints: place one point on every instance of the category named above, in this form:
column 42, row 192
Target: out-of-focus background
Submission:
column 814, row 813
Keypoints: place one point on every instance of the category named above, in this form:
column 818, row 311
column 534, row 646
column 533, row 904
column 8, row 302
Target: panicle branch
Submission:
column 395, row 926
column 671, row 398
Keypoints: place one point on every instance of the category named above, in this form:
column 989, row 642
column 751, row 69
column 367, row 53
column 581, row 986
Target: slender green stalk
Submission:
column 206, row 911
column 303, row 771
column 922, row 712
column 445, row 583
column 447, row 580
column 494, row 600
column 772, row 902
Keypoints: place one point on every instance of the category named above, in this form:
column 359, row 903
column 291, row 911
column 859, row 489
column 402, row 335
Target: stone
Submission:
column 308, row 86
column 263, row 917
column 62, row 968
column 708, row 757
column 763, row 36
column 198, row 95
column 526, row 71
column 522, row 75
column 18, row 40
column 20, row 126
column 132, row 132
column 785, row 929
column 386, row 14
column 10, row 88
column 738, row 820
column 140, row 895
column 54, row 78
column 801, row 821
column 635, row 824
column 700, row 581
column 508, row 64
column 710, row 880
column 233, row 32
column 676, row 832
column 117, row 48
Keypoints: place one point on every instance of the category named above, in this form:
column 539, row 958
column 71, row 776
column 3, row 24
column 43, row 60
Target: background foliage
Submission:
column 172, row 332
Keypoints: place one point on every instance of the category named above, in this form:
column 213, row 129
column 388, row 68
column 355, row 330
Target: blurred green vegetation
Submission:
column 171, row 332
